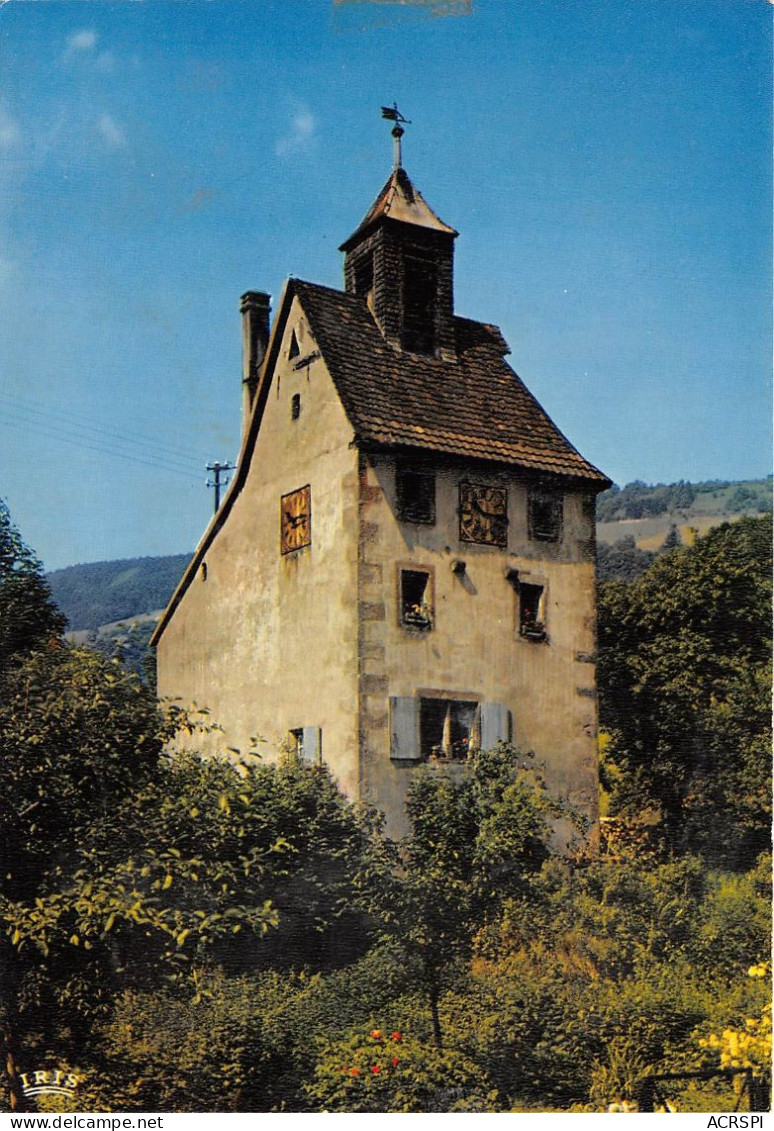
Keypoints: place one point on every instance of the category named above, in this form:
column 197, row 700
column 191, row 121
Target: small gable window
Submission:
column 293, row 349
column 416, row 495
column 545, row 516
column 416, row 609
column 295, row 406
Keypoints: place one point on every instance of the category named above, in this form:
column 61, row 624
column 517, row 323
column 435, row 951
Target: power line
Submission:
column 63, row 417
column 83, row 443
column 69, row 434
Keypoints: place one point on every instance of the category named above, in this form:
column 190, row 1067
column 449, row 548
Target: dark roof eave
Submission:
column 594, row 480
column 366, row 229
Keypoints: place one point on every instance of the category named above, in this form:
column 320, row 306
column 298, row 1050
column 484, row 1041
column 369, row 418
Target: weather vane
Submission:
column 393, row 114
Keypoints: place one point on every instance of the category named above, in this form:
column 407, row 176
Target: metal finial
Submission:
column 393, row 114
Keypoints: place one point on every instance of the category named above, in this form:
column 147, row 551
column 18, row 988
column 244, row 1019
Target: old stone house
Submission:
column 403, row 566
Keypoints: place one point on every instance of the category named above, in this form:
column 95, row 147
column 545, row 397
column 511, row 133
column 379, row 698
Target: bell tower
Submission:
column 401, row 261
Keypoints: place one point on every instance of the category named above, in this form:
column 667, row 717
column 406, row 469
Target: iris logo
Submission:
column 49, row 1082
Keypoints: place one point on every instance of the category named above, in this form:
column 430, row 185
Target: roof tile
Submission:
column 474, row 406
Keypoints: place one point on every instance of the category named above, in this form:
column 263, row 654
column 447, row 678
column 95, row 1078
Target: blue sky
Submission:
column 606, row 163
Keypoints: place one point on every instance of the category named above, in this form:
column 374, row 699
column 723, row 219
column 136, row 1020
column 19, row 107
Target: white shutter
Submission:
column 311, row 745
column 404, row 728
column 495, row 725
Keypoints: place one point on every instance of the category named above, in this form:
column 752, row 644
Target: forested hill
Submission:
column 104, row 592
column 714, row 497
column 634, row 522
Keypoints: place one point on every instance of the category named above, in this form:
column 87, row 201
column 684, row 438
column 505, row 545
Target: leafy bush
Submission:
column 389, row 1072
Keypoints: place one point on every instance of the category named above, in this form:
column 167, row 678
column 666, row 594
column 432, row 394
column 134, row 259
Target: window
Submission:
column 545, row 516
column 448, row 728
column 420, row 287
column 416, row 495
column 306, row 743
column 531, row 611
column 293, row 349
column 442, row 726
column 416, row 607
column 364, row 277
column 295, row 406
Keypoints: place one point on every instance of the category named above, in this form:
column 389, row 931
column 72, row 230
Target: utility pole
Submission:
column 217, row 470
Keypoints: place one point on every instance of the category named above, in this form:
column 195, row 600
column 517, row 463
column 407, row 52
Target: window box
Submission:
column 531, row 611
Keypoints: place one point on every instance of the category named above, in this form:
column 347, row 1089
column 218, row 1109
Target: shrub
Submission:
column 388, row 1071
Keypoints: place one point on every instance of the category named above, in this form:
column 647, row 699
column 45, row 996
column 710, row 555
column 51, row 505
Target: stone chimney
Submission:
column 255, row 308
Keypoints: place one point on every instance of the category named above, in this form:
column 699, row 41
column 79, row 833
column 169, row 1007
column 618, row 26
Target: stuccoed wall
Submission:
column 474, row 648
column 268, row 642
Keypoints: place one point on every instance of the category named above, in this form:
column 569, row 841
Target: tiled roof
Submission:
column 399, row 200
column 474, row 406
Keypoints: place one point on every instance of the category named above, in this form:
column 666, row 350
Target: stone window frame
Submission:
column 424, row 619
column 531, row 605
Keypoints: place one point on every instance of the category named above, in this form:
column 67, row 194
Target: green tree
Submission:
column 77, row 737
column 125, row 868
column 622, row 561
column 683, row 672
column 130, row 870
column 475, row 841
column 653, row 952
column 672, row 540
column 28, row 616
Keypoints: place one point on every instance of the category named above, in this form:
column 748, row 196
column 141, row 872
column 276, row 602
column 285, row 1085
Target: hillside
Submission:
column 101, row 593
column 633, row 523
column 648, row 513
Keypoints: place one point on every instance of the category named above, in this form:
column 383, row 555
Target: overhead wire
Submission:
column 69, row 427
column 89, row 444
column 59, row 414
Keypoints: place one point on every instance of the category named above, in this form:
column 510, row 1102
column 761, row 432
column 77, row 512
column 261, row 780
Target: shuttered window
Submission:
column 447, row 729
column 307, row 742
